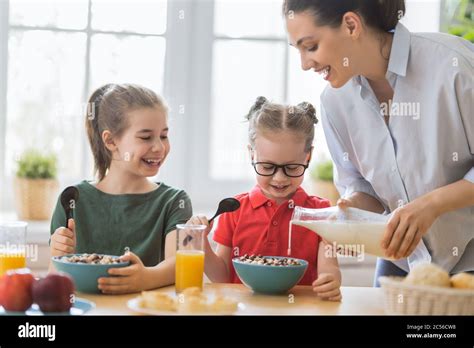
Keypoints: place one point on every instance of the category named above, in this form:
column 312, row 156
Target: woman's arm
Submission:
column 410, row 222
column 451, row 197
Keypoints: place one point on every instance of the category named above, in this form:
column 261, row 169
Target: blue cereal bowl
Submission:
column 268, row 279
column 85, row 275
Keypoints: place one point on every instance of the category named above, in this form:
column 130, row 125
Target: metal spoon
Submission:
column 227, row 205
column 69, row 198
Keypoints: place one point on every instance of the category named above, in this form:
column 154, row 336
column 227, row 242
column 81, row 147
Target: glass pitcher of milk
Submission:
column 354, row 230
column 350, row 228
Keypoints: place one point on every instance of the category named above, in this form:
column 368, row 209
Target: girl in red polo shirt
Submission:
column 280, row 146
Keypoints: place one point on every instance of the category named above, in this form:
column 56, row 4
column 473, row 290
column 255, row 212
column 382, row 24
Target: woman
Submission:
column 399, row 123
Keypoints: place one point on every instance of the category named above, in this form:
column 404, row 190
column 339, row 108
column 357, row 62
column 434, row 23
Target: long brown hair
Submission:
column 107, row 110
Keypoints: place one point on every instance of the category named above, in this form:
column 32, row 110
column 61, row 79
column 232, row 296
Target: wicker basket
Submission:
column 402, row 298
column 35, row 198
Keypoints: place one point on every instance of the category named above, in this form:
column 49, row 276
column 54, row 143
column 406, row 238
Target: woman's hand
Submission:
column 344, row 203
column 63, row 240
column 362, row 201
column 407, row 226
column 327, row 287
column 130, row 279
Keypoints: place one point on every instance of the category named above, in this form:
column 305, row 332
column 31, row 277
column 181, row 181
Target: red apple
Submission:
column 15, row 290
column 54, row 293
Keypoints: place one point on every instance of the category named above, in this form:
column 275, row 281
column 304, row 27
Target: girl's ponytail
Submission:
column 101, row 155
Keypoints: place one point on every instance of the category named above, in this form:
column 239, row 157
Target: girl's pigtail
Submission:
column 309, row 111
column 257, row 106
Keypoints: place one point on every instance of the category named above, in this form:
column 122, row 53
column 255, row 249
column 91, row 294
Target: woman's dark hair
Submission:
column 107, row 110
column 379, row 14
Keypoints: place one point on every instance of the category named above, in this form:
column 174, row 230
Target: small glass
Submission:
column 12, row 245
column 189, row 256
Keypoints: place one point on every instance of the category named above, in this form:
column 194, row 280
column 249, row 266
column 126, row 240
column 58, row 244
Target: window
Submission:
column 58, row 53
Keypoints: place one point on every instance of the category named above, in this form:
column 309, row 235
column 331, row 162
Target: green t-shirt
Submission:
column 106, row 224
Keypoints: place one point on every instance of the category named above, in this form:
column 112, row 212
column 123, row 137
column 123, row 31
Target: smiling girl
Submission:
column 280, row 147
column 127, row 127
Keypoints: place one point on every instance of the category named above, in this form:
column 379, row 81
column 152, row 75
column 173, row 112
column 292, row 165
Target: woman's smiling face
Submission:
column 324, row 49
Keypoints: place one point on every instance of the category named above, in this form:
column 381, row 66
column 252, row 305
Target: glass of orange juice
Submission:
column 189, row 256
column 12, row 245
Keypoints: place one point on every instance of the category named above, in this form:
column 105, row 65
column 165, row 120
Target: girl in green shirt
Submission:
column 127, row 127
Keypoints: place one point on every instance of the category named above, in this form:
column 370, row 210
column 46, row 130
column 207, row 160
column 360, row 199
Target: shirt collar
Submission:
column 257, row 198
column 398, row 61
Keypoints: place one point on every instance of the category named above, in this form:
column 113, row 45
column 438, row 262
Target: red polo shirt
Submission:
column 262, row 227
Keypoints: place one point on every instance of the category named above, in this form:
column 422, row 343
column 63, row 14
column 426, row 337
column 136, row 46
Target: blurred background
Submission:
column 209, row 59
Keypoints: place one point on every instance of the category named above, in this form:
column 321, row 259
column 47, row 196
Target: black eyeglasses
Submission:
column 270, row 169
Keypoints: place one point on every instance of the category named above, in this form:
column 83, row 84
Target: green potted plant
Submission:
column 459, row 19
column 36, row 185
column 322, row 181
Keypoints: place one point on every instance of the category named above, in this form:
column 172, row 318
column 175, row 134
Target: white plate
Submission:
column 133, row 304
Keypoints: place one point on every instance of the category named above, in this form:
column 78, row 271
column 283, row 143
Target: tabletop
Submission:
column 300, row 300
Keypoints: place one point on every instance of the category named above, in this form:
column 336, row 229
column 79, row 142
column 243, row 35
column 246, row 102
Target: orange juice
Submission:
column 189, row 269
column 11, row 261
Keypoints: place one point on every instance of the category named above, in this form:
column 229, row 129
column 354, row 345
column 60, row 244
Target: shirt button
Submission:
column 394, row 169
column 274, row 223
column 269, row 204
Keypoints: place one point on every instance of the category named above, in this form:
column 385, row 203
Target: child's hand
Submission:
column 200, row 220
column 63, row 240
column 327, row 287
column 131, row 278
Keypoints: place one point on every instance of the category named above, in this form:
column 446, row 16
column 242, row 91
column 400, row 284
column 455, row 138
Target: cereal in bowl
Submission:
column 268, row 261
column 93, row 259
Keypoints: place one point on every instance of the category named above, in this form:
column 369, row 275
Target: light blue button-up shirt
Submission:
column 428, row 143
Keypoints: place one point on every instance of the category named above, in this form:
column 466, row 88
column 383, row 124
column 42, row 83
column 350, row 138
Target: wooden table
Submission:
column 299, row 301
